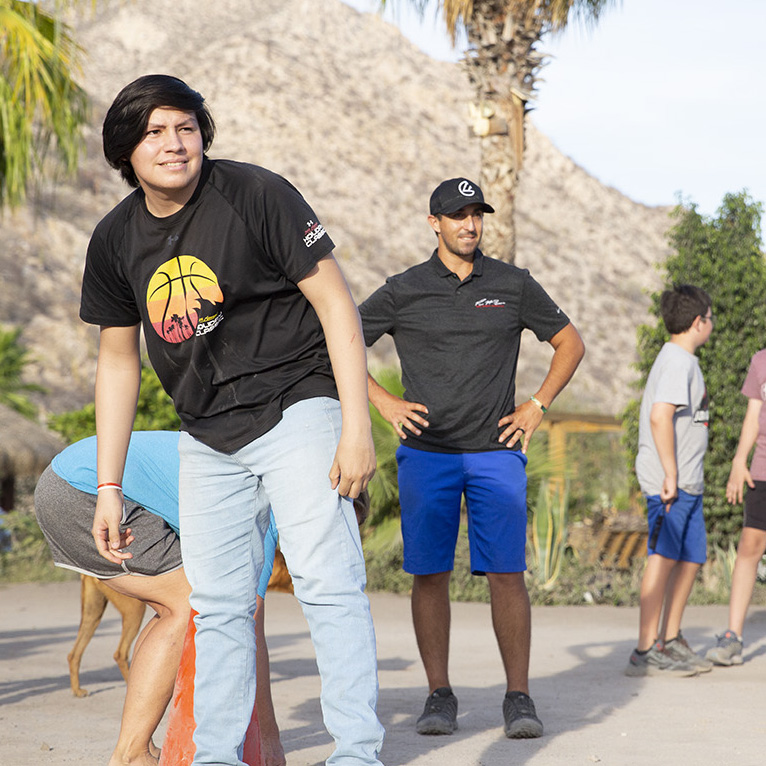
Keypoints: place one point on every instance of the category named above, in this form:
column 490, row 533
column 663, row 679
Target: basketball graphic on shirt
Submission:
column 175, row 295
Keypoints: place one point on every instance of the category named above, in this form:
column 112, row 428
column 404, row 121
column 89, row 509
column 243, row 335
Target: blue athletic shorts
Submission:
column 681, row 534
column 431, row 488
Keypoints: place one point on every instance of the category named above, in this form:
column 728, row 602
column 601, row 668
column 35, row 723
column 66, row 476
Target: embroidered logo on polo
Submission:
column 466, row 189
column 489, row 303
column 175, row 295
column 314, row 231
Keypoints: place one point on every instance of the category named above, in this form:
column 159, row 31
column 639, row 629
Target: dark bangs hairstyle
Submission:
column 125, row 122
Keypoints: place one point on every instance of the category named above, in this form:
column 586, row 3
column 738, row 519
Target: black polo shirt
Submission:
column 458, row 343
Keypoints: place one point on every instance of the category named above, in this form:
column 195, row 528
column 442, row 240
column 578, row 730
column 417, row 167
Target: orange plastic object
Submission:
column 178, row 747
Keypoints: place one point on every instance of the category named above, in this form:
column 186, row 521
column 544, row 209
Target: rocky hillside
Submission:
column 365, row 125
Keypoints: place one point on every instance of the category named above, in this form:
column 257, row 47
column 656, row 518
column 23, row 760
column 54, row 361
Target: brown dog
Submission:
column 94, row 596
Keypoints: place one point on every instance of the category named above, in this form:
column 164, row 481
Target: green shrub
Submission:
column 29, row 559
column 383, row 553
column 597, row 473
column 154, row 412
column 384, row 489
column 13, row 359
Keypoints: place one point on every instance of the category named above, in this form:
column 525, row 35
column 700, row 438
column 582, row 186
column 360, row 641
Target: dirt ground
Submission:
column 591, row 711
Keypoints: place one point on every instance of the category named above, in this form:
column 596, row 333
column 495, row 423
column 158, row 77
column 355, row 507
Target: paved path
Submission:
column 592, row 713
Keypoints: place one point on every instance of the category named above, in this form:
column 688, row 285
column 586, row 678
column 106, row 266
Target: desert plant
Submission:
column 548, row 532
column 723, row 564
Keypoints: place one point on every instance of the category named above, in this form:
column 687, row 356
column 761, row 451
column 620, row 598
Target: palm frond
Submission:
column 41, row 106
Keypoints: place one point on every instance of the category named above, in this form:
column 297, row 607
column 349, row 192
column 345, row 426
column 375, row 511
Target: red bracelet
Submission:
column 109, row 485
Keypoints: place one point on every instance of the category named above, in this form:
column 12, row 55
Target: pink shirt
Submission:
column 754, row 387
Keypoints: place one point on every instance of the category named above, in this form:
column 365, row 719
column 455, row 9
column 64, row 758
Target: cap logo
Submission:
column 466, row 189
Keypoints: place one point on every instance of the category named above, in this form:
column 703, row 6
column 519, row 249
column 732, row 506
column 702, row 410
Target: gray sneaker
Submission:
column 656, row 663
column 728, row 650
column 679, row 650
column 440, row 713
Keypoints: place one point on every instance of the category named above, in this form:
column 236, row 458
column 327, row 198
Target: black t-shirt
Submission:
column 458, row 343
column 229, row 333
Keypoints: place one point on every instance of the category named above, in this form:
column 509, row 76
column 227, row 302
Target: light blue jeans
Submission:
column 224, row 514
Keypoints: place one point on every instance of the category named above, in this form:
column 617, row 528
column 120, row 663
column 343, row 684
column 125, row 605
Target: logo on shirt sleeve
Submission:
column 313, row 232
column 175, row 296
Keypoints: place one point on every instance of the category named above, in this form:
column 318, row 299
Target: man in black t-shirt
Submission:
column 252, row 331
column 456, row 321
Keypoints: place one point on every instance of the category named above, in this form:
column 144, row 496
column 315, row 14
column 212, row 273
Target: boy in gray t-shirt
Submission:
column 671, row 446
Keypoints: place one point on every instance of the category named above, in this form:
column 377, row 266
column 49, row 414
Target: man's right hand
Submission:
column 400, row 413
column 668, row 492
column 106, row 527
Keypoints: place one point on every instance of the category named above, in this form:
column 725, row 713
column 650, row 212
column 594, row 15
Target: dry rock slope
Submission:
column 365, row 125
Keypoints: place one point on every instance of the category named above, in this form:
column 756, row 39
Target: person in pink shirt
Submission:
column 752, row 542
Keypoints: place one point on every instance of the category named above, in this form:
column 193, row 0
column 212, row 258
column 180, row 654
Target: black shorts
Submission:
column 65, row 515
column 755, row 506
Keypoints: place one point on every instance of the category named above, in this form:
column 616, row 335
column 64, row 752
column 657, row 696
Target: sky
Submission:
column 663, row 99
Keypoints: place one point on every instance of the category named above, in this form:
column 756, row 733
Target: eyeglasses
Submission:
column 707, row 318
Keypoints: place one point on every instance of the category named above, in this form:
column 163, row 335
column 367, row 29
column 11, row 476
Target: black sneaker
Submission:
column 521, row 721
column 440, row 713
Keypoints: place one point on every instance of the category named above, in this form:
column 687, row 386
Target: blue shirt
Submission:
column 151, row 471
column 150, row 479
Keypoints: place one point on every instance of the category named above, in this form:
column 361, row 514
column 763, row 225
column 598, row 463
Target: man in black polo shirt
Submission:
column 456, row 321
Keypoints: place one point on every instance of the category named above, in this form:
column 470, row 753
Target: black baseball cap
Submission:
column 449, row 196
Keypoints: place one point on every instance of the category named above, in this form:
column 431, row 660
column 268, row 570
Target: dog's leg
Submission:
column 92, row 605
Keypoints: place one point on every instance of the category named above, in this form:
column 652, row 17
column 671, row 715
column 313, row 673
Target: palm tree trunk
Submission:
column 498, row 180
column 502, row 64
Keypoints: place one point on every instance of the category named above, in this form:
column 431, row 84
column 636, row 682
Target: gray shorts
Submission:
column 65, row 515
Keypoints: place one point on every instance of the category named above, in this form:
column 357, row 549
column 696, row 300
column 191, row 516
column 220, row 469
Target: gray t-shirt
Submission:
column 675, row 378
